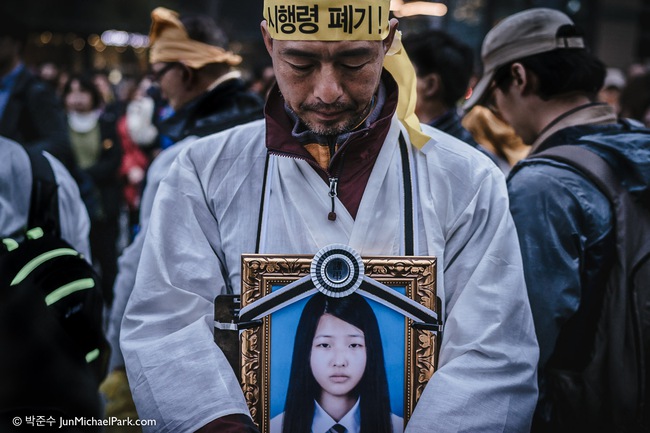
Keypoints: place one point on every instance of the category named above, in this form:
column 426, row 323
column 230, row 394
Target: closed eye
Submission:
column 353, row 67
column 299, row 67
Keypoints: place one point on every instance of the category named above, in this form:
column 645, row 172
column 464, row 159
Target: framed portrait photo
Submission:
column 350, row 354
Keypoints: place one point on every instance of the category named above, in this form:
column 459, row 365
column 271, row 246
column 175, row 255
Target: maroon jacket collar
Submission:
column 361, row 142
column 353, row 162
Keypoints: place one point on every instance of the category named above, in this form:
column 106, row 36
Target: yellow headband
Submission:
column 350, row 20
column 327, row 20
column 170, row 42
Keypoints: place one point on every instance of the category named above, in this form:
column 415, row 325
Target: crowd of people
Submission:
column 358, row 135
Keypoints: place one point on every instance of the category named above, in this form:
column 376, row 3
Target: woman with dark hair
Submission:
column 338, row 378
column 98, row 153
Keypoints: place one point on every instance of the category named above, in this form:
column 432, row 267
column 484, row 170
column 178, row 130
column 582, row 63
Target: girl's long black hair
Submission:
column 303, row 388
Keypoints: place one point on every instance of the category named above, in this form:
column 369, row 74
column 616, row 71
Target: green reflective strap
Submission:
column 92, row 355
column 35, row 233
column 63, row 291
column 11, row 244
column 37, row 261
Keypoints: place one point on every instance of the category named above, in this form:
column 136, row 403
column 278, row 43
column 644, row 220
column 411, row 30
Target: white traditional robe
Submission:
column 206, row 215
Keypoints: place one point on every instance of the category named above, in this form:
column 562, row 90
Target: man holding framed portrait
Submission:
column 340, row 158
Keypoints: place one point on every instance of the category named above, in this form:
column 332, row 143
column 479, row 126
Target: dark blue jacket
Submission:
column 565, row 229
column 225, row 106
column 35, row 118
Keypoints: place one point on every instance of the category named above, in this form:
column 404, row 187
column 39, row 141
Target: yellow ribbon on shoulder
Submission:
column 169, row 42
column 345, row 20
column 398, row 64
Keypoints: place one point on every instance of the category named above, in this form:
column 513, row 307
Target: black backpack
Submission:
column 612, row 393
column 53, row 353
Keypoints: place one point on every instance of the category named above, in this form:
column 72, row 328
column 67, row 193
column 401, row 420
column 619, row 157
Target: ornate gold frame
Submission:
column 261, row 272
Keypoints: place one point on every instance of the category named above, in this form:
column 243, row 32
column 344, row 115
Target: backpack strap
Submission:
column 592, row 166
column 44, row 202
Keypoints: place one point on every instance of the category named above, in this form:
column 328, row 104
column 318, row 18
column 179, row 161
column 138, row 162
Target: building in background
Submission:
column 110, row 34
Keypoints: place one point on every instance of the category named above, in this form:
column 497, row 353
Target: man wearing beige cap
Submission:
column 540, row 78
column 340, row 158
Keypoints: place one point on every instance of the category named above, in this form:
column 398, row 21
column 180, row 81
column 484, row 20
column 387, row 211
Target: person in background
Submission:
column 338, row 147
column 138, row 136
column 262, row 79
column 140, row 115
column 39, row 366
column 614, row 84
column 635, row 99
column 98, row 152
column 195, row 71
column 105, row 88
column 49, row 72
column 205, row 92
column 637, row 68
column 15, row 192
column 30, row 112
column 541, row 79
column 496, row 136
column 443, row 66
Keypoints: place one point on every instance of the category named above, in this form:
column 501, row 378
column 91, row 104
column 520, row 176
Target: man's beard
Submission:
column 339, row 128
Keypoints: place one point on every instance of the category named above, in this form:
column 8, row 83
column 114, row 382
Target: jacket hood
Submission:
column 625, row 146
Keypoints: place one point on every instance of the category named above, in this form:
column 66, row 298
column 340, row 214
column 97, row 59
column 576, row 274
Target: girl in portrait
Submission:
column 338, row 378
